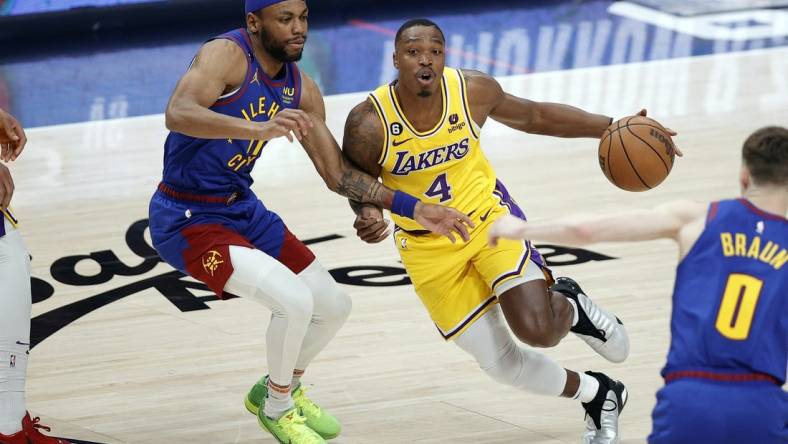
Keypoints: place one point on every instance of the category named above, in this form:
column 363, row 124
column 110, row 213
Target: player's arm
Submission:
column 664, row 221
column 219, row 67
column 551, row 119
column 12, row 137
column 342, row 177
column 362, row 144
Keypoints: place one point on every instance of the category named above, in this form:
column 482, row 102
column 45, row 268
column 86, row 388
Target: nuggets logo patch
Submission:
column 211, row 261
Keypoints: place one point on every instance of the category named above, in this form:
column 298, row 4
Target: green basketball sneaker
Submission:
column 291, row 428
column 317, row 419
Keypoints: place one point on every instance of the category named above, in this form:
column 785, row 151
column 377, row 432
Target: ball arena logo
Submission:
column 184, row 293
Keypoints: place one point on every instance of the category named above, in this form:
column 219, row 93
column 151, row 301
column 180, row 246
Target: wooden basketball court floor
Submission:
column 141, row 370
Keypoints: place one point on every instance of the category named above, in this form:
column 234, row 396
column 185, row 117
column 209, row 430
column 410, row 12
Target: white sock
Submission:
column 13, row 366
column 576, row 315
column 278, row 400
column 297, row 374
column 589, row 386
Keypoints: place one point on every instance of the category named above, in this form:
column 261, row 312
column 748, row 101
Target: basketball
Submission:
column 636, row 153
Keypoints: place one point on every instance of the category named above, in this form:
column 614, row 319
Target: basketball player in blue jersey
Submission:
column 243, row 89
column 421, row 134
column 16, row 425
column 729, row 327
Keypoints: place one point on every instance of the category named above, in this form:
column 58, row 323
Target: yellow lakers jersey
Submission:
column 444, row 165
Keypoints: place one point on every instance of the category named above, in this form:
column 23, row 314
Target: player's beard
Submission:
column 278, row 50
column 424, row 93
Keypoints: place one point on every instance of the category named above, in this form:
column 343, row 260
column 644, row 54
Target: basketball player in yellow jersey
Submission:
column 421, row 135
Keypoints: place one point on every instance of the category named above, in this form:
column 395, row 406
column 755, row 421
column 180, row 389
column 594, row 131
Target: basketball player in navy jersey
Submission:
column 243, row 89
column 729, row 327
column 16, row 426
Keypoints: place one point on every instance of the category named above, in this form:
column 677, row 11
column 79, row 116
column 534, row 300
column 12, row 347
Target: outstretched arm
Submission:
column 665, row 221
column 341, row 176
column 551, row 119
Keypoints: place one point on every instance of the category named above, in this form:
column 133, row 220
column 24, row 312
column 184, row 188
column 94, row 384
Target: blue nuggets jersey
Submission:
column 730, row 303
column 211, row 166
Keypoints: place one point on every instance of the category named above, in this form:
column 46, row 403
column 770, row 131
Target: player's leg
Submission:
column 331, row 309
column 16, row 426
column 15, row 306
column 215, row 246
column 541, row 317
column 492, row 346
column 261, row 278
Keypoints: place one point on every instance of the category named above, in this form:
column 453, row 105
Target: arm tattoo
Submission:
column 356, row 185
column 362, row 145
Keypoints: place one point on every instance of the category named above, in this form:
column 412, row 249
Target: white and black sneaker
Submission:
column 603, row 411
column 604, row 332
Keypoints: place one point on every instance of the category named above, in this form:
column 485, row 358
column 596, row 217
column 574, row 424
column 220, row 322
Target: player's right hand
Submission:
column 370, row 225
column 12, row 137
column 285, row 123
column 443, row 220
column 6, row 187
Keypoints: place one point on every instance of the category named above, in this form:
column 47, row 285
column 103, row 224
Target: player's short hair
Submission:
column 417, row 22
column 765, row 154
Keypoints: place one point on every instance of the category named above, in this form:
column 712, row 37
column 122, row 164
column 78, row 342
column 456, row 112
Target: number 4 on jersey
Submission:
column 439, row 188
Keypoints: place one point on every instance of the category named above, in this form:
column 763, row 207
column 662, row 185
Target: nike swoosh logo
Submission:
column 400, row 142
column 484, row 218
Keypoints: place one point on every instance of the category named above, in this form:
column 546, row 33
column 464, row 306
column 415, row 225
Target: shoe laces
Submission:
column 294, row 425
column 306, row 405
column 35, row 423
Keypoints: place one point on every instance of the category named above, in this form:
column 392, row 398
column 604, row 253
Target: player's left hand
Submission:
column 12, row 137
column 506, row 227
column 370, row 225
column 672, row 133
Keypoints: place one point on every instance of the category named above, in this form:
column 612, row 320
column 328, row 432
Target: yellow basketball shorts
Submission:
column 458, row 283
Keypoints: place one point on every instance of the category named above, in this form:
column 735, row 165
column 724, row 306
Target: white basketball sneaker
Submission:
column 604, row 332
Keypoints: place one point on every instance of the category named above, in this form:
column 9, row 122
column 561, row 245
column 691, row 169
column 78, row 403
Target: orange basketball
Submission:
column 636, row 153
